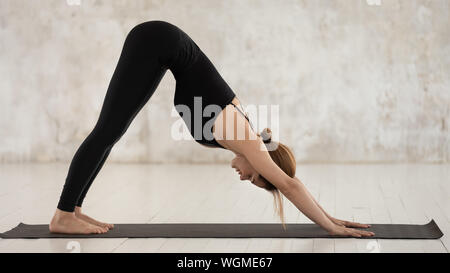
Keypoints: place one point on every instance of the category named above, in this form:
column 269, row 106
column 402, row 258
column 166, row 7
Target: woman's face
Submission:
column 246, row 171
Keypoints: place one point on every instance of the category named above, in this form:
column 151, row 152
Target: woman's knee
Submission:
column 106, row 135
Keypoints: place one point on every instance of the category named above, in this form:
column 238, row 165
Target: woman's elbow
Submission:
column 289, row 185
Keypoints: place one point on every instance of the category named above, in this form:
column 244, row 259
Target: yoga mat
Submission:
column 232, row 230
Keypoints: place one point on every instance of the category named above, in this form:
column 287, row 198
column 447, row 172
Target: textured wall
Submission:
column 355, row 82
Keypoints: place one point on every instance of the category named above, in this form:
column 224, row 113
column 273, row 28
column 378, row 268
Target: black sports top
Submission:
column 197, row 77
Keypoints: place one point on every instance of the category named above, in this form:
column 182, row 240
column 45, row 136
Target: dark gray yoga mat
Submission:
column 241, row 230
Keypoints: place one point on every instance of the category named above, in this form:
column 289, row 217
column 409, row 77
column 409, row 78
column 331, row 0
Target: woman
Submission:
column 150, row 49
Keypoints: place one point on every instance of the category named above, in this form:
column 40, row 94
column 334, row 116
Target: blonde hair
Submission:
column 284, row 158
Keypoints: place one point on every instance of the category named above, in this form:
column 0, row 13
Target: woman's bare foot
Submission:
column 67, row 222
column 90, row 220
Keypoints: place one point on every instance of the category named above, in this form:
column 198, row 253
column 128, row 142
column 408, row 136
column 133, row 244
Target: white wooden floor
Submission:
column 133, row 193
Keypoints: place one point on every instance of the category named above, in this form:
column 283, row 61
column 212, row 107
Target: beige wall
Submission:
column 355, row 83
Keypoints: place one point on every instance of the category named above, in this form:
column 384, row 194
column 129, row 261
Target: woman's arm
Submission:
column 338, row 228
column 334, row 220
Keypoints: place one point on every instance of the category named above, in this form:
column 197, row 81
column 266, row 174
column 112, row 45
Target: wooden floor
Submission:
column 134, row 193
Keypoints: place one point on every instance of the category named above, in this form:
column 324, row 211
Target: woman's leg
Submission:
column 78, row 213
column 92, row 178
column 135, row 79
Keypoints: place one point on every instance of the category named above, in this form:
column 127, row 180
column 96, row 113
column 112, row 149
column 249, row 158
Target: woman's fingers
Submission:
column 365, row 233
column 355, row 234
column 352, row 232
column 345, row 231
column 355, row 225
column 359, row 233
column 350, row 224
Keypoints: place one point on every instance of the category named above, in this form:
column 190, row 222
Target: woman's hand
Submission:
column 345, row 231
column 343, row 223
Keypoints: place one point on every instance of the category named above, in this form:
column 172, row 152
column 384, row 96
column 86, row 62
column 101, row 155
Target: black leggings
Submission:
column 149, row 50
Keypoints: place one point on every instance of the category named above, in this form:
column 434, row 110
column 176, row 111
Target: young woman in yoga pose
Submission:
column 151, row 48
